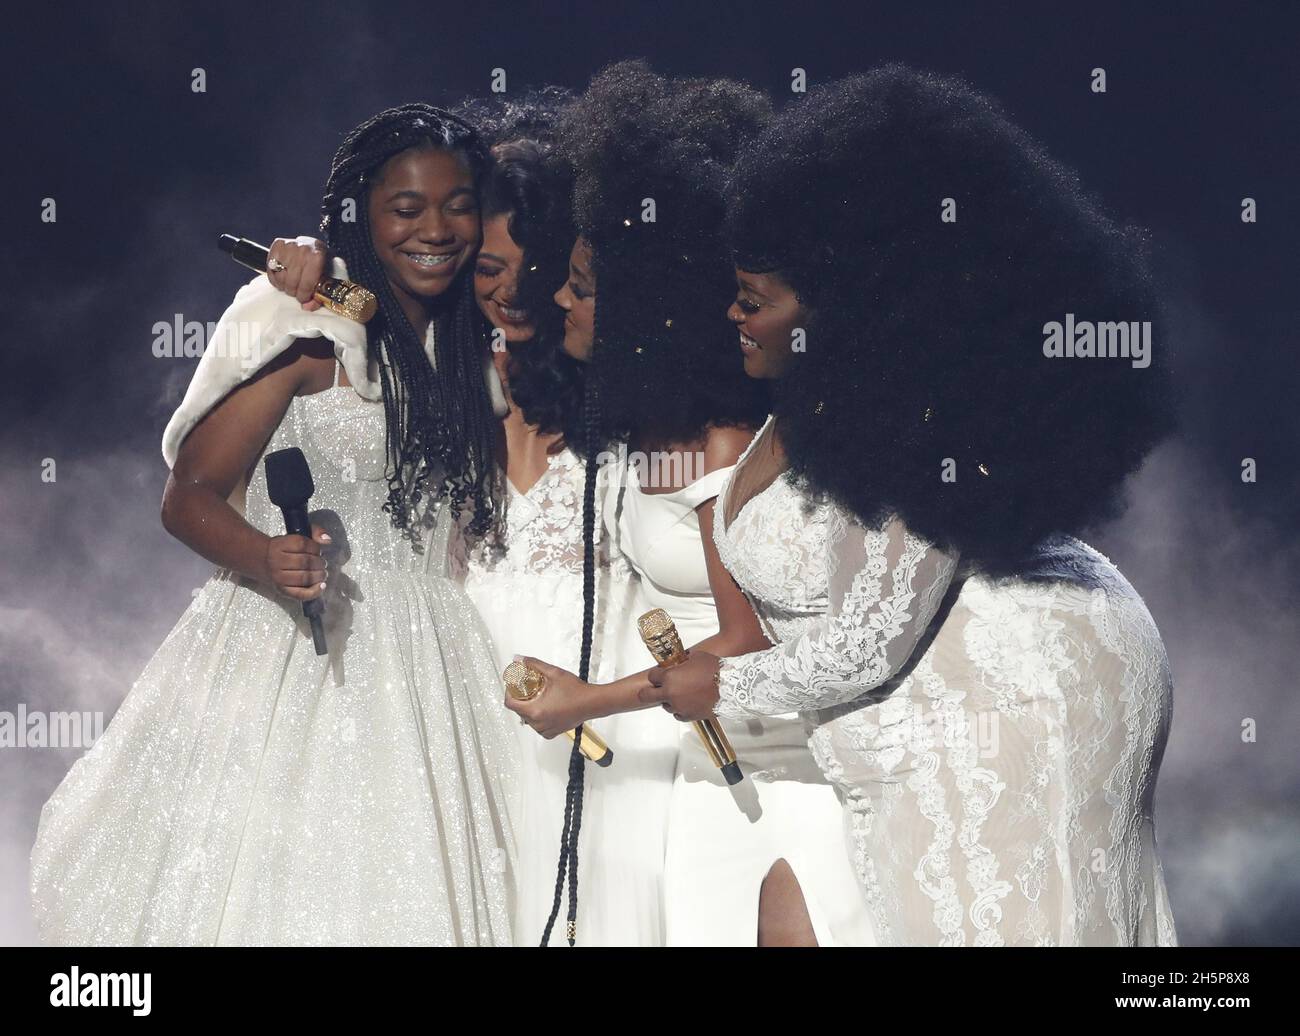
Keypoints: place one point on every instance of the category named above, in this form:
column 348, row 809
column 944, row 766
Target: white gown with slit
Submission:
column 722, row 841
column 249, row 792
column 995, row 745
column 528, row 588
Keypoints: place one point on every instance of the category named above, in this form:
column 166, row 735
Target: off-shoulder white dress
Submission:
column 995, row 745
column 722, row 841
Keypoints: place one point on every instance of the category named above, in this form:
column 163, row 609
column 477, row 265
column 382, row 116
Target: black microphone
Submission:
column 289, row 485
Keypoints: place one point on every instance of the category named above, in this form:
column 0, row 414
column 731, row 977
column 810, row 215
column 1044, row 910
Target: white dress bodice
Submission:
column 526, row 579
column 543, row 528
column 526, row 583
column 341, row 436
column 659, row 533
column 783, row 556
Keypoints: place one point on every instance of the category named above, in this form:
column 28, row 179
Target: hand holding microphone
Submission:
column 660, row 636
column 306, row 267
column 294, row 560
column 525, row 682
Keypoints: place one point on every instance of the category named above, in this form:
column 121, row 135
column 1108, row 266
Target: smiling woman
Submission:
column 768, row 315
column 911, row 616
column 425, row 225
column 420, row 227
column 249, row 791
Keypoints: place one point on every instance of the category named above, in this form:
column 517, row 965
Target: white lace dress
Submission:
column 722, row 840
column 528, row 589
column 997, row 767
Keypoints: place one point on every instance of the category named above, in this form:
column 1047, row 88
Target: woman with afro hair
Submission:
column 988, row 694
column 649, row 280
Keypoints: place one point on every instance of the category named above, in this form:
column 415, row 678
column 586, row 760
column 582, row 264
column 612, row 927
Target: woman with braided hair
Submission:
column 525, row 575
column 649, row 278
column 249, row 791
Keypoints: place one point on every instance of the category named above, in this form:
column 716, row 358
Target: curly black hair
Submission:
column 529, row 182
column 440, row 424
column 527, row 115
column 659, row 366
column 925, row 339
column 664, row 353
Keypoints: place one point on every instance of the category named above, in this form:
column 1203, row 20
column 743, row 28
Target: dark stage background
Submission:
column 1200, row 112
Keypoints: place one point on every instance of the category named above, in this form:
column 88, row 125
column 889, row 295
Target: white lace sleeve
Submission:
column 885, row 587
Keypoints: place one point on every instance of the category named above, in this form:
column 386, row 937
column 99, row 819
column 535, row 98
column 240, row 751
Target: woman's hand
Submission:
column 294, row 565
column 688, row 690
column 304, row 260
column 564, row 702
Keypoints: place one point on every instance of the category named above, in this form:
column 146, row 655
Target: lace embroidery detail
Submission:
column 543, row 527
column 843, row 655
column 784, row 538
column 997, row 771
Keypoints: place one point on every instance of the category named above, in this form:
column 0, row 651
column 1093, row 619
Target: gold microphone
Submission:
column 660, row 636
column 338, row 296
column 524, row 683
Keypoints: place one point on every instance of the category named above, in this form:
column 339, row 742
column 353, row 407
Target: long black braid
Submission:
column 440, row 426
column 592, row 441
column 662, row 363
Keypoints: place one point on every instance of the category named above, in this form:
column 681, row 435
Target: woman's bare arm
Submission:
column 216, row 456
column 738, row 633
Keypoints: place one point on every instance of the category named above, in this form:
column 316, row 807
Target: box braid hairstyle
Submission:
column 532, row 184
column 925, row 339
column 440, row 424
column 663, row 364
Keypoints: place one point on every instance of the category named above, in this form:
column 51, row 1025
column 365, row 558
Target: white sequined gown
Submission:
column 528, row 588
column 250, row 792
column 997, row 764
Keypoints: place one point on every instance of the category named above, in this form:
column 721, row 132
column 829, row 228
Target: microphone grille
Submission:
column 523, row 682
column 349, row 300
column 288, row 478
column 359, row 304
column 659, row 634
